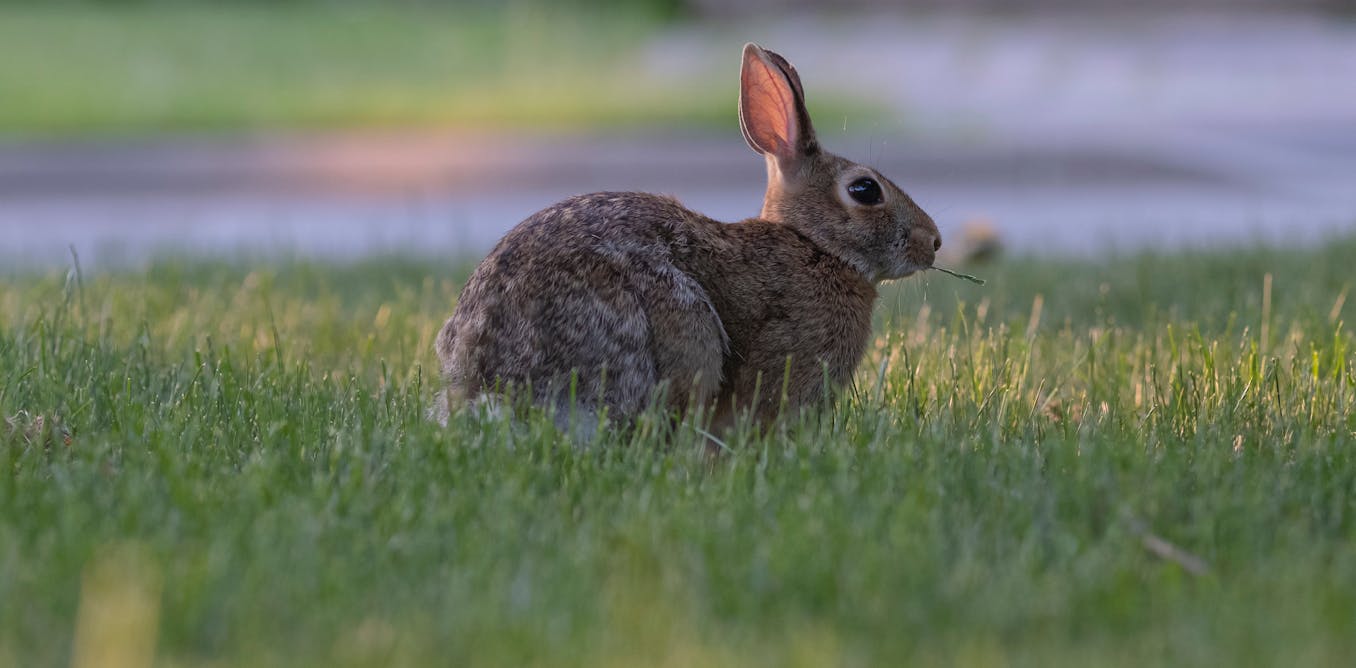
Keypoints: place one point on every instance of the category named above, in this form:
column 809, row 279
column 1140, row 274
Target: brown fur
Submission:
column 619, row 299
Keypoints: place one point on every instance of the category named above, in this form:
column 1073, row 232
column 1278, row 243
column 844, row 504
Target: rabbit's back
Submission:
column 582, row 302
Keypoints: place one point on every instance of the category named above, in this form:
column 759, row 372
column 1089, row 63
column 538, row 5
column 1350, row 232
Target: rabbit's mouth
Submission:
column 919, row 258
column 905, row 268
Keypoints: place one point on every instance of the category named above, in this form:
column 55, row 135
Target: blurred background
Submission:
column 339, row 129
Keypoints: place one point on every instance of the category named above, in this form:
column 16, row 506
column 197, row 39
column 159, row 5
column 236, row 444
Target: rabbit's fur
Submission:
column 617, row 300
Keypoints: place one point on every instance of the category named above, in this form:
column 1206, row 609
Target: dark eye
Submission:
column 865, row 191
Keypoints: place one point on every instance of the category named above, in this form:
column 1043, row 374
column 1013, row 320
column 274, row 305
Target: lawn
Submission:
column 1142, row 460
column 72, row 68
column 130, row 68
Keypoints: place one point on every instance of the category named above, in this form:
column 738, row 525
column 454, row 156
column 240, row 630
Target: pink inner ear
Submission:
column 769, row 107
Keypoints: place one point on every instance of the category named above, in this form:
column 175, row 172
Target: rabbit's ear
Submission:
column 772, row 107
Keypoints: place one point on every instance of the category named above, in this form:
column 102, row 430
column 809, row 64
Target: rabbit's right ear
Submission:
column 772, row 107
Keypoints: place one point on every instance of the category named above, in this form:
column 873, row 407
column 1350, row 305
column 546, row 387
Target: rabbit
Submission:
column 622, row 300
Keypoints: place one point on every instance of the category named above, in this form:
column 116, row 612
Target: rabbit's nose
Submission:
column 921, row 238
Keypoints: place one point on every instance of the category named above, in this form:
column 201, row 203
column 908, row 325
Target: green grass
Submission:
column 191, row 67
column 249, row 481
column 139, row 68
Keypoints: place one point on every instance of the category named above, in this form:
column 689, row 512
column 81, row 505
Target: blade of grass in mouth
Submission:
column 972, row 279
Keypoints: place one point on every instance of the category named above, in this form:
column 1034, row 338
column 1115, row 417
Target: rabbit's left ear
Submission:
column 772, row 107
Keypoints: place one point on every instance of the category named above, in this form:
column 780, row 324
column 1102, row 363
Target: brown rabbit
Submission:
column 617, row 300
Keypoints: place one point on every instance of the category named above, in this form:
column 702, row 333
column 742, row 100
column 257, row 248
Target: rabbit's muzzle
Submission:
column 923, row 240
column 923, row 247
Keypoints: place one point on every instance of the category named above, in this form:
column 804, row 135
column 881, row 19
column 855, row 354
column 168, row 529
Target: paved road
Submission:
column 1068, row 135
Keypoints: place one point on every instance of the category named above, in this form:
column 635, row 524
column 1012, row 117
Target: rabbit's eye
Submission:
column 865, row 191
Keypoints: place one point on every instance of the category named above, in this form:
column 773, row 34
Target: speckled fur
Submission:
column 618, row 300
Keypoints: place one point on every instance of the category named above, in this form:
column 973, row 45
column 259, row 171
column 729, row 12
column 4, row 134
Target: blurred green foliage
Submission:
column 655, row 7
column 147, row 66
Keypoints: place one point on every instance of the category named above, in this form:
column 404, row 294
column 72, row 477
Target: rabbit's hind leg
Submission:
column 594, row 339
column 687, row 340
